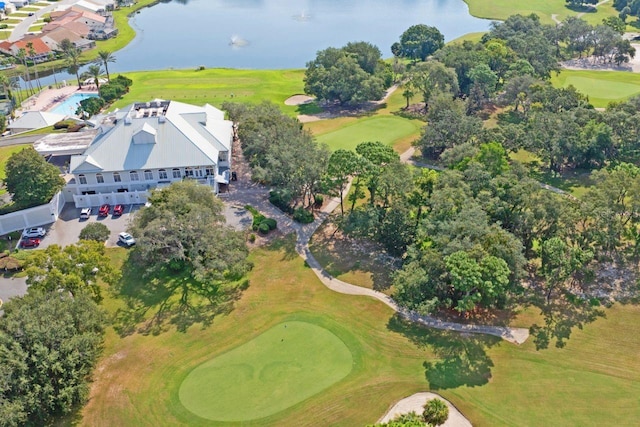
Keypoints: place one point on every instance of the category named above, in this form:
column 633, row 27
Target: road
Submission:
column 22, row 28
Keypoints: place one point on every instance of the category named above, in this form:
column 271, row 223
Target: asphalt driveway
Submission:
column 66, row 230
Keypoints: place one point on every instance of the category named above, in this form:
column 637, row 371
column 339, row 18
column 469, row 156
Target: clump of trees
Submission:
column 49, row 344
column 418, row 42
column 281, row 153
column 350, row 75
column 30, row 180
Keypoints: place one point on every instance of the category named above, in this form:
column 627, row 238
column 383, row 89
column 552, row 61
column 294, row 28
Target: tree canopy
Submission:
column 418, row 42
column 49, row 344
column 30, row 180
column 349, row 75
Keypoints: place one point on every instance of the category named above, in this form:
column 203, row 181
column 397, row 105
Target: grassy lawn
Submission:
column 575, row 182
column 502, row 9
column 215, row 86
column 283, row 366
column 383, row 125
column 602, row 87
column 472, row 37
column 139, row 379
column 5, row 153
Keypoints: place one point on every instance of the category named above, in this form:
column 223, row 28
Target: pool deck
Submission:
column 48, row 99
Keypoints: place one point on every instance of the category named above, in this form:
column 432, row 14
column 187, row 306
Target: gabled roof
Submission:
column 39, row 46
column 156, row 135
column 35, row 120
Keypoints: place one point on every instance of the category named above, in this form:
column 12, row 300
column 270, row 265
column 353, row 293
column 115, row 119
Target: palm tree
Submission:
column 72, row 56
column 32, row 54
column 105, row 57
column 22, row 58
column 93, row 72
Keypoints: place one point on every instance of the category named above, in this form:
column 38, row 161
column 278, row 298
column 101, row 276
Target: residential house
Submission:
column 149, row 145
column 54, row 37
column 35, row 49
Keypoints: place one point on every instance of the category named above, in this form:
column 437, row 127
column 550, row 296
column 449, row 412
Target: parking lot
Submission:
column 66, row 230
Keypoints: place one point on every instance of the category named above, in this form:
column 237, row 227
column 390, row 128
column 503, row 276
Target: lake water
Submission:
column 275, row 34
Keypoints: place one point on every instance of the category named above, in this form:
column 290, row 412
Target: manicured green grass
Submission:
column 472, row 37
column 386, row 129
column 5, row 153
column 283, row 366
column 502, row 9
column 593, row 381
column 602, row 87
column 215, row 86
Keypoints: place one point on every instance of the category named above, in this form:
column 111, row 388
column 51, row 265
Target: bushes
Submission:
column 261, row 223
column 281, row 200
column 115, row 88
column 303, row 216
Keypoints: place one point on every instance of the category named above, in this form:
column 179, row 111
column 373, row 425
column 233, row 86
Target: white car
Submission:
column 126, row 239
column 85, row 213
column 34, row 232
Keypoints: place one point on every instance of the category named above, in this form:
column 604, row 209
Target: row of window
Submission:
column 148, row 175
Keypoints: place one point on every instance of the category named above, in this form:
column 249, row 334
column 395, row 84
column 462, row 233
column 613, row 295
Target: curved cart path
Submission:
column 258, row 198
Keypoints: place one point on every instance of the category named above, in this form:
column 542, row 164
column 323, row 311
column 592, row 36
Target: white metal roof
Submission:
column 155, row 135
column 36, row 120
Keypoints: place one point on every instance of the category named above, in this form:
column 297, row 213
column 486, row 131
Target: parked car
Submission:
column 126, row 239
column 104, row 210
column 118, row 210
column 85, row 213
column 34, row 232
column 30, row 242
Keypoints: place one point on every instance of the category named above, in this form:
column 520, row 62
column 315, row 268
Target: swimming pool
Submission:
column 69, row 106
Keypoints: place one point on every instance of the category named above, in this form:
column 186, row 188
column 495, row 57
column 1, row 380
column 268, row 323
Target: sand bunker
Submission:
column 416, row 403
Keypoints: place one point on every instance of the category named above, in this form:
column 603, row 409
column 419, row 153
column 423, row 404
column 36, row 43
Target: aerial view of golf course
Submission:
column 364, row 213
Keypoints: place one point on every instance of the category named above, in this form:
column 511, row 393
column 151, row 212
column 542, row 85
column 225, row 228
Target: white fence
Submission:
column 32, row 217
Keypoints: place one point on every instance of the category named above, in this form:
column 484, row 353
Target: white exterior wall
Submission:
column 33, row 217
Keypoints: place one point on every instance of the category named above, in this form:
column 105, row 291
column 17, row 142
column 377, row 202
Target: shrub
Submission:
column 271, row 223
column 303, row 216
column 63, row 124
column 95, row 231
column 436, row 412
column 281, row 200
column 252, row 238
column 318, row 201
column 263, row 228
column 76, row 127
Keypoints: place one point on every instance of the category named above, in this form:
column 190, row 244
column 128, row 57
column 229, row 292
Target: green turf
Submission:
column 601, row 87
column 5, row 153
column 502, row 9
column 281, row 367
column 384, row 128
column 215, row 86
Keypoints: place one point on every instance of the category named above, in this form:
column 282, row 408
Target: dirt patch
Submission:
column 298, row 100
column 358, row 261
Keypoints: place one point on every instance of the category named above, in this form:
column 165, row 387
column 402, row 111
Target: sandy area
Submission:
column 416, row 403
column 298, row 100
column 590, row 63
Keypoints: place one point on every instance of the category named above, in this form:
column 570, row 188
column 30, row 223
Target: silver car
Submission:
column 34, row 232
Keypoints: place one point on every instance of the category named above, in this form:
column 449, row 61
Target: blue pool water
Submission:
column 69, row 106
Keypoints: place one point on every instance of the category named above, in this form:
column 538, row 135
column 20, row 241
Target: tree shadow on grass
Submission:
column 462, row 359
column 152, row 305
column 560, row 316
column 286, row 245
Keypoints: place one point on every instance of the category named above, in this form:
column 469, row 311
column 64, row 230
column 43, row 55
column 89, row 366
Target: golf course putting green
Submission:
column 274, row 371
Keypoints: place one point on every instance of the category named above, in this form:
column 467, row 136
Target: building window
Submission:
column 133, row 175
column 188, row 171
column 82, row 179
column 176, row 173
column 99, row 178
column 148, row 175
column 223, row 156
column 162, row 174
column 210, row 170
column 116, row 177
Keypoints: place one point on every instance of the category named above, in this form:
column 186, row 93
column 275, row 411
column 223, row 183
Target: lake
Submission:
column 274, row 34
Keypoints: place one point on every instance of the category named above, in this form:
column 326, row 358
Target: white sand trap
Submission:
column 416, row 404
column 298, row 100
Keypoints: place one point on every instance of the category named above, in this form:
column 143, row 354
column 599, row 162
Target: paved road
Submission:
column 23, row 27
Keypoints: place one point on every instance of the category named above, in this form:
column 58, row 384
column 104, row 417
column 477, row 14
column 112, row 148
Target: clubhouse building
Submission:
column 150, row 145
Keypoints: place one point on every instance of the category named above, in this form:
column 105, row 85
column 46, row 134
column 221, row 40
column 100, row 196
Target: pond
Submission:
column 274, row 34
column 277, row 34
